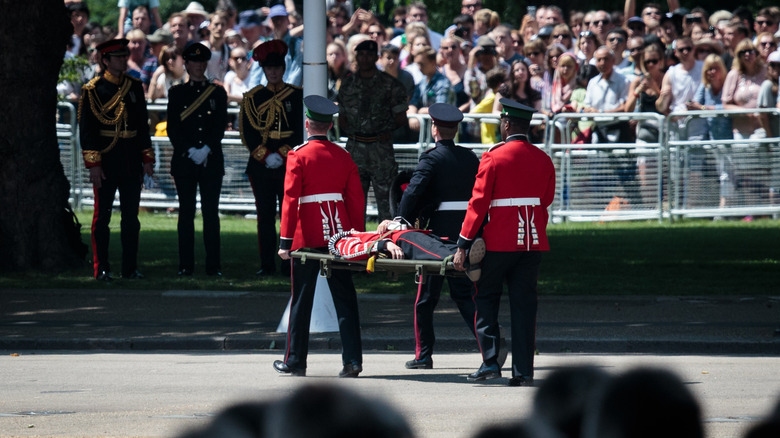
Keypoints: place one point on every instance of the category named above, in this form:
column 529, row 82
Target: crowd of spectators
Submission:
column 648, row 59
column 575, row 402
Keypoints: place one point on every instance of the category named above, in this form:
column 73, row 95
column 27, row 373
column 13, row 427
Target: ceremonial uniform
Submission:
column 441, row 183
column 415, row 244
column 197, row 116
column 367, row 116
column 515, row 185
column 271, row 124
column 322, row 197
column 114, row 134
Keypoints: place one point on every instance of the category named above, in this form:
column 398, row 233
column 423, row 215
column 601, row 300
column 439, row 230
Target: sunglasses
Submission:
column 746, row 52
column 683, row 49
column 653, row 13
column 616, row 40
column 375, row 33
column 775, row 65
column 600, row 22
column 586, row 23
column 534, row 53
column 649, row 62
column 562, row 35
column 768, row 44
column 764, row 23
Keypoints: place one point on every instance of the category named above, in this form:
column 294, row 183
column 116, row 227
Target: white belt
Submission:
column 322, row 197
column 514, row 202
column 453, row 206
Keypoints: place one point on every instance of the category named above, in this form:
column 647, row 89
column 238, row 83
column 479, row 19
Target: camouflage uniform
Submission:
column 368, row 106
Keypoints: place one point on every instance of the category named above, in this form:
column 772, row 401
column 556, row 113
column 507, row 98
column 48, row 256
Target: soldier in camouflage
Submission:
column 371, row 105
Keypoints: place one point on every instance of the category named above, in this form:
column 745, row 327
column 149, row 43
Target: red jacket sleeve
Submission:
column 479, row 204
column 292, row 192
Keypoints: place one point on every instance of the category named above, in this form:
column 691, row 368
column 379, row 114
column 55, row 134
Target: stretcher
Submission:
column 421, row 268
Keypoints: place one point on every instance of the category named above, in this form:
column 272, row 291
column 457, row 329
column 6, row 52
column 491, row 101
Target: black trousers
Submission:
column 268, row 191
column 210, row 184
column 129, row 186
column 461, row 291
column 304, row 280
column 520, row 270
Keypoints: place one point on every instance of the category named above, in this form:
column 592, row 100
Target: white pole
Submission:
column 315, row 67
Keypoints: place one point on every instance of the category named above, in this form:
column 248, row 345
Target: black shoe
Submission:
column 420, row 364
column 135, row 275
column 184, row 272
column 503, row 349
column 475, row 255
column 265, row 272
column 521, row 381
column 282, row 368
column 104, row 276
column 351, row 369
column 485, row 372
column 217, row 273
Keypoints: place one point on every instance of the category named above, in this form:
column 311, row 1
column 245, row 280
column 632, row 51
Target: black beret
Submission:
column 196, row 52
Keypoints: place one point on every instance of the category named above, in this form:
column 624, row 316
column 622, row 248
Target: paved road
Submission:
column 220, row 320
column 99, row 394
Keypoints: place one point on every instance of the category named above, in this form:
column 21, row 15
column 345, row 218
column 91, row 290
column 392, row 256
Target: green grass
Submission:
column 619, row 258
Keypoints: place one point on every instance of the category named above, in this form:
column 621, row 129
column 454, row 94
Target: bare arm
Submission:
column 665, row 97
column 121, row 25
column 629, row 9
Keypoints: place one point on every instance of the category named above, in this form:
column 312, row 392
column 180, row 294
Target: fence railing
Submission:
column 675, row 176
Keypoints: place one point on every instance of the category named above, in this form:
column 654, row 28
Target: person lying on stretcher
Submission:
column 404, row 244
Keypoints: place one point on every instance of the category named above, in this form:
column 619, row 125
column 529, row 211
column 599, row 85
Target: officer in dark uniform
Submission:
column 271, row 124
column 117, row 150
column 322, row 197
column 515, row 185
column 197, row 116
column 442, row 184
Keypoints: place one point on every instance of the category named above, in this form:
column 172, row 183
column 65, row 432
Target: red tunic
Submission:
column 318, row 174
column 515, row 185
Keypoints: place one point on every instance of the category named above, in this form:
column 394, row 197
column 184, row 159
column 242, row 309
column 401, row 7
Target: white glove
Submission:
column 273, row 160
column 199, row 156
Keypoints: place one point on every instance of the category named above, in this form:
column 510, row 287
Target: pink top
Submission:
column 742, row 90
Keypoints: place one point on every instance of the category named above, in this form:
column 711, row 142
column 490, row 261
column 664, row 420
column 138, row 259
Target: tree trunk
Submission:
column 33, row 186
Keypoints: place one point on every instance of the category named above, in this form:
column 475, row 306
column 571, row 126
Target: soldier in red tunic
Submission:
column 322, row 197
column 515, row 185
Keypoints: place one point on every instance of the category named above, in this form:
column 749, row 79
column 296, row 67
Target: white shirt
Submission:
column 607, row 94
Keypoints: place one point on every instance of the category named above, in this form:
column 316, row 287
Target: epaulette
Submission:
column 132, row 78
column 295, row 86
column 496, row 146
column 91, row 84
column 252, row 92
column 300, row 146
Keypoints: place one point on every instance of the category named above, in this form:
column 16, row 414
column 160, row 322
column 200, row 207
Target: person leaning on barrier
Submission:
column 117, row 150
column 271, row 124
column 515, row 185
column 322, row 197
column 197, row 115
column 371, row 105
column 442, row 182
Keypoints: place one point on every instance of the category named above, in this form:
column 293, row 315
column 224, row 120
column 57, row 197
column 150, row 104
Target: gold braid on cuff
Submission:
column 259, row 153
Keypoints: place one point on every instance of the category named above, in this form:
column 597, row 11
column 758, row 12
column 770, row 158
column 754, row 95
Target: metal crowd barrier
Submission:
column 674, row 177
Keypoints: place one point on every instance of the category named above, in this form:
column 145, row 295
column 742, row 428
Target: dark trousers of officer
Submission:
column 210, row 188
column 461, row 290
column 520, row 269
column 304, row 280
column 129, row 186
column 267, row 191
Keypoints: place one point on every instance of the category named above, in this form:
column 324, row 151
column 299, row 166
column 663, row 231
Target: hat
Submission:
column 369, row 45
column 196, row 52
column 319, row 108
column 161, row 35
column 635, row 19
column 277, row 11
column 545, row 31
column 114, row 47
column 270, row 53
column 774, row 57
column 486, row 44
column 516, row 109
column 195, row 8
column 249, row 18
column 445, row 115
column 715, row 45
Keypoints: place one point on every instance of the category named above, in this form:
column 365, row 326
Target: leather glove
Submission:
column 199, row 156
column 273, row 160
